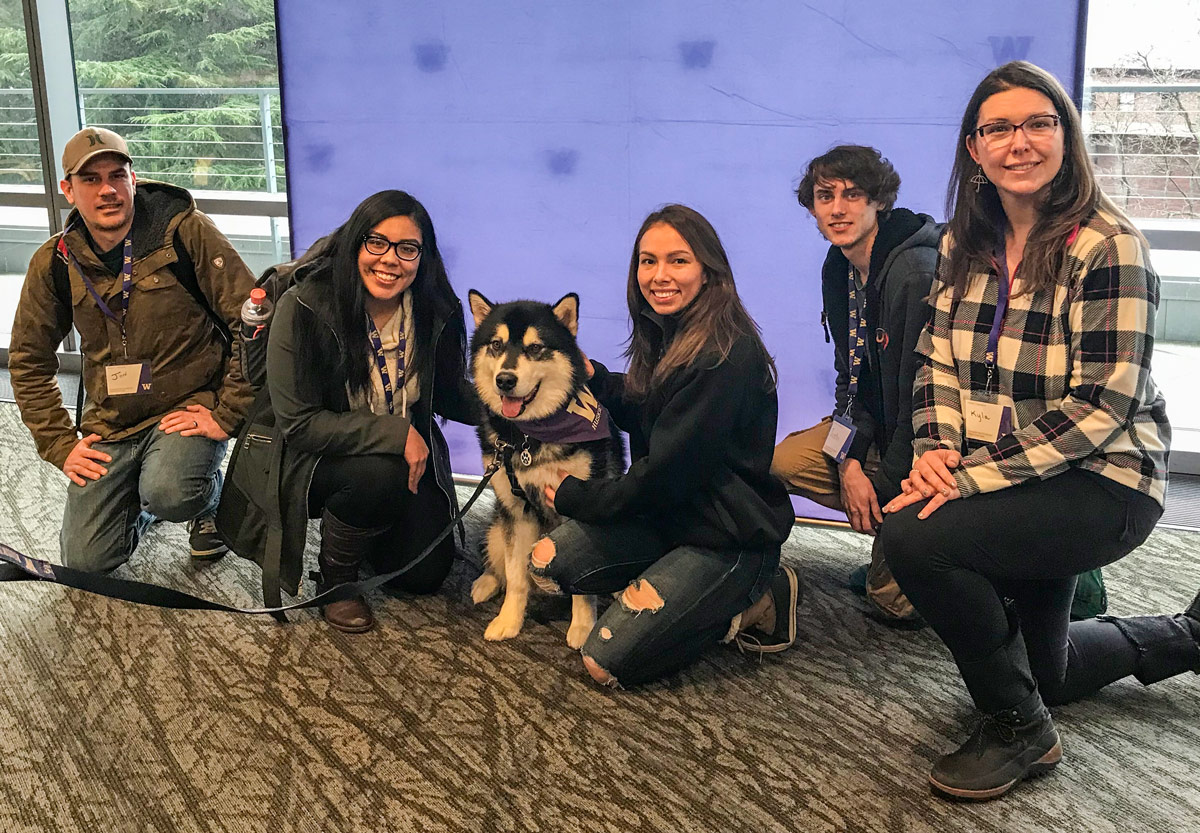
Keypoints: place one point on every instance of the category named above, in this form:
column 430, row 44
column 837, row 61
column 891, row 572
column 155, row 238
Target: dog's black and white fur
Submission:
column 527, row 366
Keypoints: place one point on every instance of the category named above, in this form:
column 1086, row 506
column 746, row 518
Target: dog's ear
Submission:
column 567, row 311
column 480, row 306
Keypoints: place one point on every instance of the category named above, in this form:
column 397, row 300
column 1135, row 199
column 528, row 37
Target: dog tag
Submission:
column 841, row 434
column 127, row 378
column 526, row 457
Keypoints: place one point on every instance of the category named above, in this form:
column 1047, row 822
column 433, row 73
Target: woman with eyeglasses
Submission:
column 365, row 348
column 1040, row 437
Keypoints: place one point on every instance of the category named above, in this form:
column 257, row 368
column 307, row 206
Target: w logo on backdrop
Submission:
column 1007, row 48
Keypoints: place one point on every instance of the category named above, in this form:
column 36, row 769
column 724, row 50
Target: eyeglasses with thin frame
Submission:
column 378, row 246
column 1000, row 133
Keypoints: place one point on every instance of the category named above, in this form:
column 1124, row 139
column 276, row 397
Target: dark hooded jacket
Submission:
column 700, row 454
column 903, row 262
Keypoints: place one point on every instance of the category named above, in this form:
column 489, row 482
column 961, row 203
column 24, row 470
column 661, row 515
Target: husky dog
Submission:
column 541, row 420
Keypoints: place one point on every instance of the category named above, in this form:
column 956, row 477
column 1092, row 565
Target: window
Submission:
column 1141, row 109
column 192, row 86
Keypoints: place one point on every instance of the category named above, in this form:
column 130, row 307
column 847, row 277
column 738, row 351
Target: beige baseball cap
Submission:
column 89, row 142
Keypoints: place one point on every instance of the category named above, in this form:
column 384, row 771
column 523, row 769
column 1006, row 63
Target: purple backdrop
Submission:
column 540, row 135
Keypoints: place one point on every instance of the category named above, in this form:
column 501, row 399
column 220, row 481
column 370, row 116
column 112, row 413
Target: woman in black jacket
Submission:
column 690, row 535
column 366, row 347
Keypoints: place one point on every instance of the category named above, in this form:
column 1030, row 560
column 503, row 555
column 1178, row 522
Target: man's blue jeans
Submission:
column 152, row 475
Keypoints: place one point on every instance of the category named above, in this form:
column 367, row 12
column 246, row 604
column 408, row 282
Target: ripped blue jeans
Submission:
column 675, row 601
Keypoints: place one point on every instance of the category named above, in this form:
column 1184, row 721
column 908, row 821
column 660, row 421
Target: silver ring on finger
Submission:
column 195, row 424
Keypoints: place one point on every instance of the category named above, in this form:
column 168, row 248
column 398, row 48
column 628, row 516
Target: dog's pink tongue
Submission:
column 510, row 406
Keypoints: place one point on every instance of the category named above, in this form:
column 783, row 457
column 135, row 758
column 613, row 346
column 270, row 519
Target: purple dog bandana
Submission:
column 582, row 420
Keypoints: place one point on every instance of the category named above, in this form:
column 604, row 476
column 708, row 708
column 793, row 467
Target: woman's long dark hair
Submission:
column 976, row 213
column 714, row 320
column 334, row 262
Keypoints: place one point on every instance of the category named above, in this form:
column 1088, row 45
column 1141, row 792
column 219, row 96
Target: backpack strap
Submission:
column 184, row 269
column 61, row 280
column 59, row 274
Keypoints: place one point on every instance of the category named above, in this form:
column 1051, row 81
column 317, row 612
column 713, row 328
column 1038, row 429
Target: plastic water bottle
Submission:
column 256, row 314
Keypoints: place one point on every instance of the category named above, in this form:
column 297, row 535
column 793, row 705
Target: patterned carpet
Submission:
column 115, row 717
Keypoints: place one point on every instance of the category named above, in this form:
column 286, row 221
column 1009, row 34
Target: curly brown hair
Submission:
column 864, row 166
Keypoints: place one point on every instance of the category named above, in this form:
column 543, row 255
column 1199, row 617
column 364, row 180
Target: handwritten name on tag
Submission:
column 985, row 422
column 128, row 378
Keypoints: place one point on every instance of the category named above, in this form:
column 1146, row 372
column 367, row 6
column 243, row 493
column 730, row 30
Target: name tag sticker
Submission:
column 127, row 378
column 841, row 434
column 986, row 422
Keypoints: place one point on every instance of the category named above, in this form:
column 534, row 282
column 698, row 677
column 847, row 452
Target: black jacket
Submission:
column 903, row 261
column 319, row 422
column 701, row 457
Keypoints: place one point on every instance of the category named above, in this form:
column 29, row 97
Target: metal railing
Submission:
column 214, row 138
column 1145, row 139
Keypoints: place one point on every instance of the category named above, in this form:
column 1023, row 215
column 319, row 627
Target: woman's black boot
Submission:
column 1166, row 645
column 1012, row 742
column 1193, row 613
column 343, row 548
column 1005, row 748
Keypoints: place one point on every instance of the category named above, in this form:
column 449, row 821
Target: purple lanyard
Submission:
column 1002, row 292
column 858, row 342
column 381, row 362
column 126, row 285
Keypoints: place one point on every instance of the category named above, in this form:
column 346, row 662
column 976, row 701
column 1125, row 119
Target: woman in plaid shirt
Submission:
column 1040, row 438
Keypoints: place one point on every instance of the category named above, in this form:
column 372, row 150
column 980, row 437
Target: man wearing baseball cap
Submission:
column 143, row 276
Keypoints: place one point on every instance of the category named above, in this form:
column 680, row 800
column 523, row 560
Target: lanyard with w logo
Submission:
column 381, row 363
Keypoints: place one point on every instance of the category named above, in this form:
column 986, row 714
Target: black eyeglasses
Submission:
column 405, row 249
column 998, row 133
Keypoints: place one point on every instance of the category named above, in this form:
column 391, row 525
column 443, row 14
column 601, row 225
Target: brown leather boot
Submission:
column 342, row 550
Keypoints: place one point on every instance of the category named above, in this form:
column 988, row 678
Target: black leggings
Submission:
column 1026, row 543
column 371, row 490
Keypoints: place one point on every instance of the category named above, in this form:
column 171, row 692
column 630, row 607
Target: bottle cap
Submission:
column 258, row 294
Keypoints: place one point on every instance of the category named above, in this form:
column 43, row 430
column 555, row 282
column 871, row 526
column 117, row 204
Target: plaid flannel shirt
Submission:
column 1073, row 363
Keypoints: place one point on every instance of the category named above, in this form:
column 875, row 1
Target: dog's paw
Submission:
column 484, row 588
column 503, row 627
column 578, row 633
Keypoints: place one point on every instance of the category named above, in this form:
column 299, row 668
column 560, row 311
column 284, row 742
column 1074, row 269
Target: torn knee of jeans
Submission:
column 641, row 596
column 735, row 626
column 599, row 674
column 545, row 583
column 543, row 553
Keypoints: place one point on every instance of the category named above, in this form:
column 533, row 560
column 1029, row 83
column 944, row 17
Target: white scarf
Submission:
column 389, row 338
